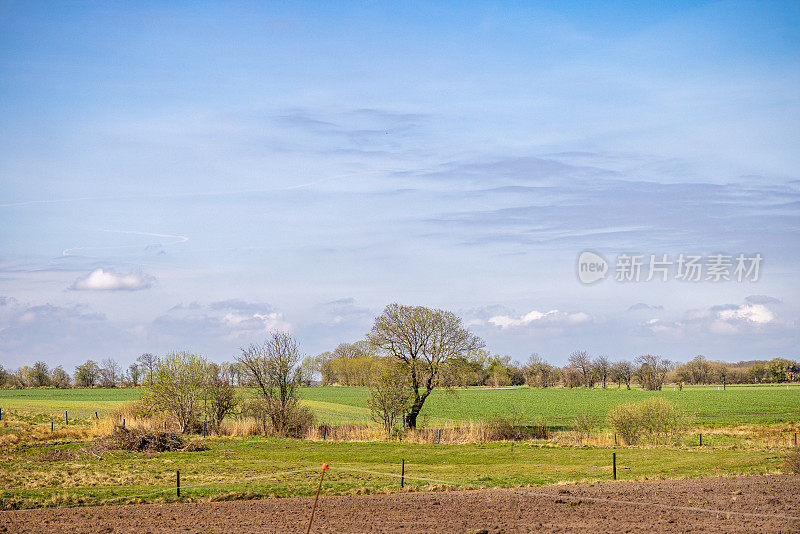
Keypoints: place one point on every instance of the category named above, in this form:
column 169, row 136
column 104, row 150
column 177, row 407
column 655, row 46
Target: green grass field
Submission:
column 30, row 480
column 27, row 478
column 709, row 406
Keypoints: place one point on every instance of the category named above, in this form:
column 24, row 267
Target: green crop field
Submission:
column 708, row 405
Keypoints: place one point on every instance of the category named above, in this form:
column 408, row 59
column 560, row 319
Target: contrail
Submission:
column 177, row 239
column 193, row 194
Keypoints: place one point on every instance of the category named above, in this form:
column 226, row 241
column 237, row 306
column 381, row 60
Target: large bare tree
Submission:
column 274, row 369
column 423, row 340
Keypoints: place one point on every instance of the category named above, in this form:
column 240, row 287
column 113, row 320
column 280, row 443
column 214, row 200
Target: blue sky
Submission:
column 188, row 176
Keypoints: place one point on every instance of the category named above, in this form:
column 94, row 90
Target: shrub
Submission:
column 295, row 420
column 652, row 421
column 390, row 396
column 624, row 419
column 661, row 420
column 584, row 423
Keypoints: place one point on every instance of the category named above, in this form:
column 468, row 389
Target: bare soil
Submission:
column 735, row 504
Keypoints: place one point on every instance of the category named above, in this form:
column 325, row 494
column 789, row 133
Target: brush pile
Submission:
column 140, row 440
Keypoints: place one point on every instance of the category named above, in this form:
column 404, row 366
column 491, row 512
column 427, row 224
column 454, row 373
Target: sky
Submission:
column 192, row 175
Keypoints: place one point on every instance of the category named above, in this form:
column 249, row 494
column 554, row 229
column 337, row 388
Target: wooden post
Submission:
column 96, row 416
column 615, row 440
column 324, row 432
column 795, row 439
column 438, row 435
column 614, row 464
column 402, row 472
column 178, row 481
column 701, row 439
column 314, row 508
column 51, row 426
column 204, row 429
column 1, row 414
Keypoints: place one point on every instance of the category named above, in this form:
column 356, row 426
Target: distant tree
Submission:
column 60, row 378
column 581, row 361
column 602, row 368
column 539, row 373
column 39, row 375
column 697, row 371
column 622, row 373
column 148, row 362
column 19, row 378
column 308, row 369
column 466, row 370
column 135, row 374
column 87, row 374
column 720, row 373
column 110, row 373
column 652, row 371
column 352, row 364
column 571, row 377
column 498, row 371
column 4, row 377
column 273, row 368
column 423, row 341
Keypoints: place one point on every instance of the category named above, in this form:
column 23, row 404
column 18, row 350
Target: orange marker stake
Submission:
column 311, row 519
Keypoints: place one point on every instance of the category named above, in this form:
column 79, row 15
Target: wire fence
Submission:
column 402, row 476
column 474, row 486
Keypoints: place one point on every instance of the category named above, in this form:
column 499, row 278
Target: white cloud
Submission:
column 100, row 280
column 536, row 317
column 754, row 313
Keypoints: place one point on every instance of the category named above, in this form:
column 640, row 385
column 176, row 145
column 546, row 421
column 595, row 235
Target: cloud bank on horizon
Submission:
column 282, row 167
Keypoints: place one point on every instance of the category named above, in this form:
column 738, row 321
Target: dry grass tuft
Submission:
column 791, row 462
column 58, row 455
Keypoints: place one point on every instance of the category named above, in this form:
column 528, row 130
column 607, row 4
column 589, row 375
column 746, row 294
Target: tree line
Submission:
column 409, row 352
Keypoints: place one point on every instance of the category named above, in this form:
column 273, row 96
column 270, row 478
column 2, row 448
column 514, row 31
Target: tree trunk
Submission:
column 411, row 419
column 411, row 416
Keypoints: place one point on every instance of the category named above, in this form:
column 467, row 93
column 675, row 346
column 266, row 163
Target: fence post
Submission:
column 313, row 509
column 1, row 414
column 165, row 426
column 402, row 472
column 324, row 432
column 795, row 439
column 66, row 418
column 701, row 439
column 123, row 423
column 439, row 435
column 96, row 416
column 614, row 464
column 51, row 426
column 615, row 440
column 204, row 429
column 178, row 481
